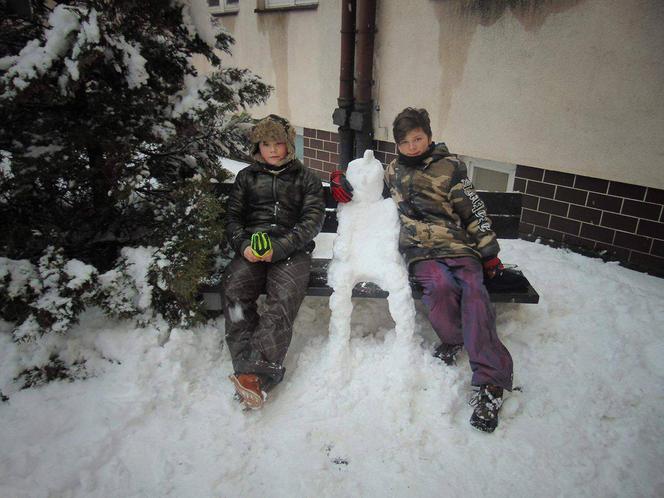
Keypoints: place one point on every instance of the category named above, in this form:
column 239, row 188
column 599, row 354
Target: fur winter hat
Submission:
column 273, row 128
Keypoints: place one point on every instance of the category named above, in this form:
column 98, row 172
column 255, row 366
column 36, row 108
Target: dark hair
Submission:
column 410, row 119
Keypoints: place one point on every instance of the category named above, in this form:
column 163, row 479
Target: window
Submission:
column 278, row 4
column 490, row 175
column 222, row 6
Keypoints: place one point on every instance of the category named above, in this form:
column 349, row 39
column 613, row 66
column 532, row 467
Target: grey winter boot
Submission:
column 448, row 352
column 487, row 402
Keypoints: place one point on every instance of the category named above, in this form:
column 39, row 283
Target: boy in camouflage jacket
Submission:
column 449, row 246
column 279, row 197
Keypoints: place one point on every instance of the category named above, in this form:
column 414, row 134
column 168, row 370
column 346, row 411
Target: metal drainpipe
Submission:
column 341, row 115
column 361, row 117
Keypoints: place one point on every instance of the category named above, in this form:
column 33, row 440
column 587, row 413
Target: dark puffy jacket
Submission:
column 441, row 214
column 288, row 205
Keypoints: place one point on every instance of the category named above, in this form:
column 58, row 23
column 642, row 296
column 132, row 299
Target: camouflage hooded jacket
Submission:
column 441, row 214
column 287, row 204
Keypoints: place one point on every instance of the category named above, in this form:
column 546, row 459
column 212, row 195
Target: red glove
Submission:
column 492, row 266
column 341, row 189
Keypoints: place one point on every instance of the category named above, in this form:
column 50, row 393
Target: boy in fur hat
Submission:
column 279, row 199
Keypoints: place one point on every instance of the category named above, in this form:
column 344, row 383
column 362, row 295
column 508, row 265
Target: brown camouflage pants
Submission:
column 258, row 343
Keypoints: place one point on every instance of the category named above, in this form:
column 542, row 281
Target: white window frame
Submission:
column 507, row 168
column 224, row 7
column 280, row 4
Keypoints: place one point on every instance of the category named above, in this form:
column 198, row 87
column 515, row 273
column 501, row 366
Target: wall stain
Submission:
column 276, row 26
column 530, row 13
column 454, row 39
column 228, row 23
column 458, row 22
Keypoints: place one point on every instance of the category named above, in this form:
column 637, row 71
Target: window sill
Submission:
column 225, row 14
column 265, row 10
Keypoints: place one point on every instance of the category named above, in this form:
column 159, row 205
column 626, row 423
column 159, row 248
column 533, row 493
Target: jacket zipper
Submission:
column 274, row 196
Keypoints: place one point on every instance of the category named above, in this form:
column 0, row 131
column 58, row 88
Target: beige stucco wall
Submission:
column 569, row 85
column 296, row 52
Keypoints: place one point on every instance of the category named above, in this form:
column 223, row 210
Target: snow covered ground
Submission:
column 157, row 418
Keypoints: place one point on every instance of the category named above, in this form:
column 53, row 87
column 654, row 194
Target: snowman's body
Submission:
column 367, row 250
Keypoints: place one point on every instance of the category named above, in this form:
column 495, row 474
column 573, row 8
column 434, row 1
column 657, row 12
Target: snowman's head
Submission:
column 366, row 177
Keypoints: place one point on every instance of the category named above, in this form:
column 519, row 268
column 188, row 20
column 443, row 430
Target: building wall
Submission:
column 297, row 52
column 575, row 86
column 571, row 85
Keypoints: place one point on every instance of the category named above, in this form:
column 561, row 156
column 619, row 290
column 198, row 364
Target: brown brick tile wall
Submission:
column 610, row 219
column 657, row 248
column 572, row 195
column 565, row 225
column 651, row 229
column 529, row 173
column 592, row 184
column 541, row 189
column 321, row 151
column 626, row 190
column 559, row 178
column 548, row 234
column 605, row 202
column 530, row 201
column 641, row 209
column 588, row 215
column 655, row 195
column 553, row 207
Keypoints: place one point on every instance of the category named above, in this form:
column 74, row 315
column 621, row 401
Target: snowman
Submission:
column 367, row 250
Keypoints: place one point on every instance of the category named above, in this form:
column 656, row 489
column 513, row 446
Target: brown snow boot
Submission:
column 248, row 388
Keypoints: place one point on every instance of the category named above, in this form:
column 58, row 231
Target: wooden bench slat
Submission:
column 501, row 203
column 370, row 290
column 506, row 225
column 318, row 287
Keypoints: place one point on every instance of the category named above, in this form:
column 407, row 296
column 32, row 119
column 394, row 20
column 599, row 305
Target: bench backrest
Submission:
column 504, row 209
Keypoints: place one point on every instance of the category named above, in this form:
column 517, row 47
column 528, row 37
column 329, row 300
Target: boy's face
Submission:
column 415, row 143
column 272, row 152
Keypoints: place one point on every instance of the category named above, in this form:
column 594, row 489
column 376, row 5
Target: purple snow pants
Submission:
column 460, row 312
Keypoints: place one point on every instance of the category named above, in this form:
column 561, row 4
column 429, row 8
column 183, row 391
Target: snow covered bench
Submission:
column 504, row 209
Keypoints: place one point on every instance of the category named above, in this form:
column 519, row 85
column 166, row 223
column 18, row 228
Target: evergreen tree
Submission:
column 111, row 137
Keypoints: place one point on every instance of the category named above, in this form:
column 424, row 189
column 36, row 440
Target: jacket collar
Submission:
column 434, row 153
column 292, row 165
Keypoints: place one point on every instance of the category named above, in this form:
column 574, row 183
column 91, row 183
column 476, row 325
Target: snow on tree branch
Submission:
column 189, row 98
column 196, row 18
column 6, row 164
column 36, row 59
column 136, row 74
